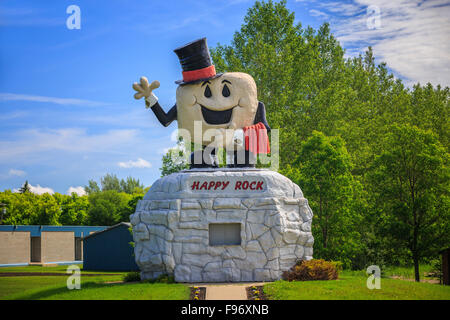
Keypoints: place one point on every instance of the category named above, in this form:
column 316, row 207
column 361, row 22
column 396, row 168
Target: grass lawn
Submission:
column 407, row 272
column 352, row 286
column 92, row 287
column 52, row 269
column 100, row 290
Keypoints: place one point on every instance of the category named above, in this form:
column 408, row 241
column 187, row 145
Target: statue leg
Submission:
column 205, row 158
column 242, row 159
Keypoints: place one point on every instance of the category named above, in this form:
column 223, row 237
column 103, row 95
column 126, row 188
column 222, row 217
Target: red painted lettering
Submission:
column 218, row 184
column 238, row 185
column 211, row 184
column 225, row 184
column 204, row 185
column 195, row 185
column 252, row 185
column 259, row 185
column 245, row 185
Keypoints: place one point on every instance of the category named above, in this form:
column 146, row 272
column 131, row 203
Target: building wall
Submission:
column 57, row 246
column 109, row 250
column 14, row 247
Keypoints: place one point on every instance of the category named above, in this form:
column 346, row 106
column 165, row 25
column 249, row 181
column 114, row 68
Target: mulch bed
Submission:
column 25, row 274
column 197, row 293
column 255, row 293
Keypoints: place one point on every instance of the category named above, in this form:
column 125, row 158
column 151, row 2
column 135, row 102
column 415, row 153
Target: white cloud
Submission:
column 412, row 38
column 38, row 189
column 317, row 13
column 41, row 190
column 60, row 101
column 78, row 190
column 12, row 115
column 18, row 173
column 345, row 9
column 37, row 141
column 139, row 163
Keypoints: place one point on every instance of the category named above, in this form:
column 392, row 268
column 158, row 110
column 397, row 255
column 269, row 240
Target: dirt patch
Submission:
column 434, row 281
column 255, row 293
column 44, row 274
column 197, row 293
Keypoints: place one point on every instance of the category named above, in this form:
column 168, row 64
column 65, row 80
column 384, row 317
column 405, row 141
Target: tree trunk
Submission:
column 416, row 256
column 416, row 268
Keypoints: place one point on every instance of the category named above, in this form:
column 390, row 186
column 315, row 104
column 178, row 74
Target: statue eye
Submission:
column 208, row 93
column 226, row 91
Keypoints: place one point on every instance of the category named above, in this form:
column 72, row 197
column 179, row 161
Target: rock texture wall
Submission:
column 171, row 226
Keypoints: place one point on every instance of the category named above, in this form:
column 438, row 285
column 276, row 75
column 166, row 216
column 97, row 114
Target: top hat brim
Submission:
column 181, row 82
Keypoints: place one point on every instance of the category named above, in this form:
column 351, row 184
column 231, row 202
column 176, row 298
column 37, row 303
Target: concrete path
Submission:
column 226, row 291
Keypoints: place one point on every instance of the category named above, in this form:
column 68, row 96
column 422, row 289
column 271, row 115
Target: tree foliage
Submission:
column 175, row 159
column 411, row 179
column 308, row 85
column 25, row 188
column 323, row 171
column 108, row 182
column 99, row 207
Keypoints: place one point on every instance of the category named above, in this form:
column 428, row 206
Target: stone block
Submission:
column 182, row 273
column 140, row 232
column 262, row 275
column 256, row 216
column 227, row 203
column 190, row 215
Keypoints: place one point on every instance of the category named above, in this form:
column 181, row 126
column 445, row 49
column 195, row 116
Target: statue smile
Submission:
column 216, row 117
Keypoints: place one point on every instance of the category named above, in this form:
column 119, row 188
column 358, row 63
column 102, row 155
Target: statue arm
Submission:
column 164, row 118
column 260, row 116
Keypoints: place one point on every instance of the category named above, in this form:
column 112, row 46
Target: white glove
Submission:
column 145, row 90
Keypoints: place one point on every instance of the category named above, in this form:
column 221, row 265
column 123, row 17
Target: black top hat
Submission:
column 196, row 62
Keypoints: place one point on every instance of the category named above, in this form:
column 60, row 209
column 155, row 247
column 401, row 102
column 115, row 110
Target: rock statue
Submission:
column 224, row 102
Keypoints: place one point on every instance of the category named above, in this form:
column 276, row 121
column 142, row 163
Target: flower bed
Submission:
column 255, row 293
column 198, row 293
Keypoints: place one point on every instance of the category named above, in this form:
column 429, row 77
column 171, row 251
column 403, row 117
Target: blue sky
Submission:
column 67, row 112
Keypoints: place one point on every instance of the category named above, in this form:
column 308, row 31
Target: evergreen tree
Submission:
column 25, row 187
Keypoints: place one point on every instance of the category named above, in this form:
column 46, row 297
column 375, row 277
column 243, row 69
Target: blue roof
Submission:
column 35, row 231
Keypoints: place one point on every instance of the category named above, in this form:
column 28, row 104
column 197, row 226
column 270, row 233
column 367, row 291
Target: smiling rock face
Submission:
column 226, row 102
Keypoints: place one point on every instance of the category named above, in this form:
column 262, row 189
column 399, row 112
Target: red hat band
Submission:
column 199, row 74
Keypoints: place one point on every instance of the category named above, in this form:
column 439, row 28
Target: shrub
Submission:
column 162, row 278
column 132, row 276
column 165, row 278
column 316, row 269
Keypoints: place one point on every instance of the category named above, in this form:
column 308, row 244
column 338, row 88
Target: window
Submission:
column 224, row 234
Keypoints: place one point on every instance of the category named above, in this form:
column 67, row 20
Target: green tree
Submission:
column 25, row 188
column 131, row 185
column 323, row 171
column 411, row 182
column 176, row 159
column 47, row 210
column 110, row 182
column 106, row 208
column 20, row 207
column 131, row 207
column 92, row 187
column 74, row 209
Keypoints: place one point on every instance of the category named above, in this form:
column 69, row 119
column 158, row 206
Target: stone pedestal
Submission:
column 174, row 226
